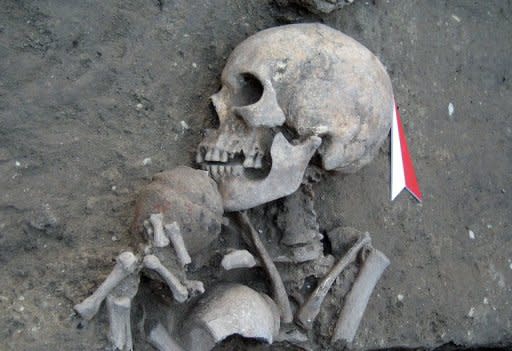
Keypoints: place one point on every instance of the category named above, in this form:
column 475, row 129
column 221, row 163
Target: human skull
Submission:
column 306, row 83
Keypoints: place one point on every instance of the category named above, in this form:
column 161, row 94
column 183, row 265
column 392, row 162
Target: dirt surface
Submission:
column 95, row 97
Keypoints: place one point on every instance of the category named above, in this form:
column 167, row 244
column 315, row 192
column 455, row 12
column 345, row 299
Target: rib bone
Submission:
column 357, row 299
column 173, row 232
column 279, row 292
column 125, row 265
column 311, row 308
column 179, row 291
column 159, row 238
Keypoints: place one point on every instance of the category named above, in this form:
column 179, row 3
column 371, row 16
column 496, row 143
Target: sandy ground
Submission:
column 96, row 96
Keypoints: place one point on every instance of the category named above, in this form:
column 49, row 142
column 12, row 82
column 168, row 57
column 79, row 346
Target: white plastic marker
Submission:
column 402, row 168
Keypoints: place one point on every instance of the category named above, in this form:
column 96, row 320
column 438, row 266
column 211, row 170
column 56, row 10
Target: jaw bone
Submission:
column 288, row 165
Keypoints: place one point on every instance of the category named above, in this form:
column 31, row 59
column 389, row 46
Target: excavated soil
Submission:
column 96, row 96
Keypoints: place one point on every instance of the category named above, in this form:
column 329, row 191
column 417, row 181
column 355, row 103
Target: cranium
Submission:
column 287, row 94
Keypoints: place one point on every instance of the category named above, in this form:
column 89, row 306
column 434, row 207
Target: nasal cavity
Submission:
column 250, row 90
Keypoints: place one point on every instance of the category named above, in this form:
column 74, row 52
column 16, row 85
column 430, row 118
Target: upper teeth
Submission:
column 218, row 155
column 226, row 169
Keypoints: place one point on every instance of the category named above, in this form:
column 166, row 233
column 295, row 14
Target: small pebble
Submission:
column 486, row 301
column 510, row 266
column 139, row 106
column 451, row 109
column 114, row 238
column 21, row 309
column 147, row 161
column 489, row 226
column 184, row 125
column 400, row 297
column 471, row 312
column 21, row 298
column 114, row 188
column 456, row 18
column 194, row 64
column 17, row 163
column 471, row 234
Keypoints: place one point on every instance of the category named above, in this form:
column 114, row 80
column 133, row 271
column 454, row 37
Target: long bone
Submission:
column 311, row 308
column 119, row 316
column 159, row 237
column 119, row 303
column 357, row 299
column 179, row 291
column 174, row 234
column 279, row 291
column 126, row 264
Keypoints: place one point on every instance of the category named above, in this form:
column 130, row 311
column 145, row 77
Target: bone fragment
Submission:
column 162, row 341
column 358, row 297
column 279, row 291
column 288, row 165
column 120, row 326
column 126, row 264
column 174, row 234
column 194, row 287
column 230, row 309
column 159, row 237
column 311, row 308
column 238, row 259
column 179, row 291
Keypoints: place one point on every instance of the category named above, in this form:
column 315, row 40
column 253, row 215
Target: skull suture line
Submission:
column 306, row 83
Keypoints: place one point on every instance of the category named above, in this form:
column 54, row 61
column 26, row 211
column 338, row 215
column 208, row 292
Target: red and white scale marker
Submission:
column 402, row 168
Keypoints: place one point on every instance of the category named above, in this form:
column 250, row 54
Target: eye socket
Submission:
column 250, row 90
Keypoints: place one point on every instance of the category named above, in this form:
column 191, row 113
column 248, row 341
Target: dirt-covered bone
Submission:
column 174, row 234
column 126, row 264
column 230, row 309
column 238, row 259
column 355, row 303
column 309, row 310
column 179, row 291
column 303, row 80
column 159, row 237
column 119, row 303
column 194, row 287
column 298, row 222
